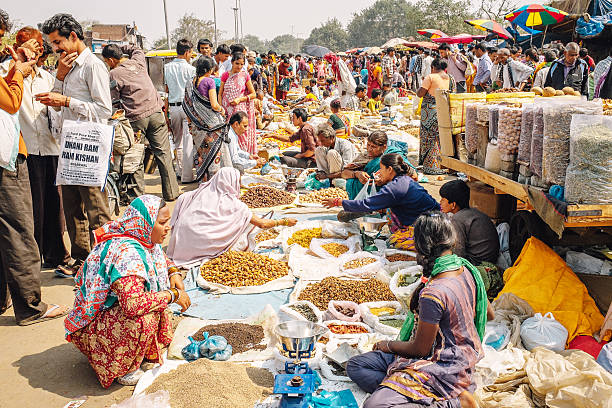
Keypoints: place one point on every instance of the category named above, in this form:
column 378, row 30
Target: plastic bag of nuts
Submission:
column 362, row 264
column 471, row 130
column 342, row 310
column 334, row 248
column 509, row 130
column 524, row 149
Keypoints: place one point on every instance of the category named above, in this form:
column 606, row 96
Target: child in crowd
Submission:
column 375, row 101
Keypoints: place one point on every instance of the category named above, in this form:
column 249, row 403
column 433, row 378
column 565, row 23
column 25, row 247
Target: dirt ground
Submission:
column 38, row 368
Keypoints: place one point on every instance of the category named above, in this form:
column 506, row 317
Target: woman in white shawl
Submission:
column 208, row 221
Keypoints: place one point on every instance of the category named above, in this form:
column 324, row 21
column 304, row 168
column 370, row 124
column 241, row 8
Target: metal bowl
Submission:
column 291, row 172
column 370, row 224
column 299, row 335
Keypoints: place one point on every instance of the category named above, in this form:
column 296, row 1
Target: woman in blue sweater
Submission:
column 403, row 198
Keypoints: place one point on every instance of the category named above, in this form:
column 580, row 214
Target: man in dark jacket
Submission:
column 569, row 71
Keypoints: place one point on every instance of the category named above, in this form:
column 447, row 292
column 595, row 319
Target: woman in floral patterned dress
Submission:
column 120, row 317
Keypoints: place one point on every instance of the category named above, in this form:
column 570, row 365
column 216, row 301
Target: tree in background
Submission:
column 382, row 21
column 447, row 16
column 330, row 34
column 497, row 9
column 284, row 44
column 254, row 43
column 193, row 28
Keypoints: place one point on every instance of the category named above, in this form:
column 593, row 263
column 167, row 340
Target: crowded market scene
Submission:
column 423, row 220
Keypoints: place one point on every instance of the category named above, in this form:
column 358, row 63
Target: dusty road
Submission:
column 39, row 369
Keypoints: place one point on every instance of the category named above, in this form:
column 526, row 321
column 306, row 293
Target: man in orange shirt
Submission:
column 20, row 260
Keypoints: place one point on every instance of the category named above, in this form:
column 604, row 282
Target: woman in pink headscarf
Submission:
column 208, row 221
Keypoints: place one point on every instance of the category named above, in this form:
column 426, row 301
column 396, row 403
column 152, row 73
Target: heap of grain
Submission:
column 237, row 269
column 331, row 288
column 265, row 196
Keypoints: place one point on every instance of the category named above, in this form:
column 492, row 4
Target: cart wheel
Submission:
column 113, row 195
column 524, row 225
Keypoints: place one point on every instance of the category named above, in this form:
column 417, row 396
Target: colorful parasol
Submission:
column 430, row 33
column 490, row 26
column 534, row 15
column 459, row 39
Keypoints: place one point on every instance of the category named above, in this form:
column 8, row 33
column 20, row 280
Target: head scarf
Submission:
column 208, row 221
column 123, row 248
column 333, row 60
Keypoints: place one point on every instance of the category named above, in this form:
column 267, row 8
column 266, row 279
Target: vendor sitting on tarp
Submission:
column 120, row 318
column 305, row 158
column 211, row 220
column 403, row 198
column 332, row 154
column 364, row 166
column 434, row 361
column 477, row 239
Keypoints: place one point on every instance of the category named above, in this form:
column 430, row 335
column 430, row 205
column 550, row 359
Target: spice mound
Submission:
column 316, row 197
column 400, row 258
column 305, row 311
column 303, row 237
column 265, row 196
column 358, row 263
column 335, row 249
column 242, row 337
column 236, row 269
column 332, row 288
column 266, row 235
column 206, row 383
column 347, row 329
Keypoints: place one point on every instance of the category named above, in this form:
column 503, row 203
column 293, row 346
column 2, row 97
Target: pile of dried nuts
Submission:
column 400, row 258
column 266, row 196
column 303, row 237
column 347, row 311
column 335, row 249
column 358, row 263
column 236, row 269
column 347, row 329
column 332, row 288
column 266, row 235
column 317, row 197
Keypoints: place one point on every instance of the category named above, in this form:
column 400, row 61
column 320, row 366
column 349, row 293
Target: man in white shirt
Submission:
column 176, row 75
column 227, row 65
column 426, row 69
column 234, row 155
column 332, row 154
column 508, row 73
column 325, row 106
column 82, row 91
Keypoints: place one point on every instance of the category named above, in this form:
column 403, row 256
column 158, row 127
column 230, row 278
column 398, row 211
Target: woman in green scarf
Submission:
column 364, row 166
column 433, row 363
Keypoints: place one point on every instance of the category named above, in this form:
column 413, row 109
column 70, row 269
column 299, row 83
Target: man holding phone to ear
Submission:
column 81, row 92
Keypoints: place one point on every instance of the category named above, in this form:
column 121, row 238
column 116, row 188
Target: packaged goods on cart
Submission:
column 509, row 130
column 524, row 149
column 458, row 104
column 493, row 158
column 493, row 121
column 333, row 288
column 557, row 125
column 589, row 175
column 471, row 130
column 265, row 197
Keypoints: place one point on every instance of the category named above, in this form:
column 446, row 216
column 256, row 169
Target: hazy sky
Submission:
column 264, row 18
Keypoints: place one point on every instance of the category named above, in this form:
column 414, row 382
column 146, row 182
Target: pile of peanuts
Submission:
column 236, row 269
column 332, row 288
column 400, row 258
column 265, row 196
column 358, row 263
column 319, row 196
column 266, row 235
column 303, row 237
column 335, row 249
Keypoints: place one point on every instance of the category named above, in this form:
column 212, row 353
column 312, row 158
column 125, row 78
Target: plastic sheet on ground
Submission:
column 498, row 363
column 544, row 280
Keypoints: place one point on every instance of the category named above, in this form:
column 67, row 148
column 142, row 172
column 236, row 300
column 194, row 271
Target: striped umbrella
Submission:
column 490, row 26
column 533, row 15
column 430, row 33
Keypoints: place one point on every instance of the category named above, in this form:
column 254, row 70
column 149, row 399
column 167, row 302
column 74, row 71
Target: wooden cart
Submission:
column 585, row 224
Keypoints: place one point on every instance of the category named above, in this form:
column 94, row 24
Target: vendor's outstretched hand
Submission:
column 362, row 176
column 331, row 202
column 291, row 222
column 183, row 301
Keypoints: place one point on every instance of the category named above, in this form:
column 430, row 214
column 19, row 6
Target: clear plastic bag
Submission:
column 509, row 129
column 333, row 312
column 191, row 352
column 318, row 246
column 543, row 331
column 366, row 271
column 368, row 190
column 288, row 312
column 404, row 293
column 524, row 149
column 471, row 130
column 537, row 140
column 497, row 335
column 589, row 175
column 557, row 129
column 493, row 121
column 605, row 357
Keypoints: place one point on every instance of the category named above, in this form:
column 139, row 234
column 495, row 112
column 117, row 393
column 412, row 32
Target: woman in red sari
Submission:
column 237, row 94
column 375, row 79
column 285, row 79
column 120, row 318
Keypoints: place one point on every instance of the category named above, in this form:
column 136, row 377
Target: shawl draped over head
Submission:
column 208, row 221
column 123, row 248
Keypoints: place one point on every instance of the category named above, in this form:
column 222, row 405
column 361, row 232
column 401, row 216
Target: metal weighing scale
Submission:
column 291, row 174
column 298, row 339
column 370, row 229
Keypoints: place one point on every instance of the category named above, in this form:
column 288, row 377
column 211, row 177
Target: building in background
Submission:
column 120, row 34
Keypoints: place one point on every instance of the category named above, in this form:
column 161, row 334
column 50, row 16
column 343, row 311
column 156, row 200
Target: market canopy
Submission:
column 373, row 50
column 535, row 15
column 423, row 44
column 316, row 50
column 431, row 33
column 394, row 42
column 460, row 39
column 490, row 26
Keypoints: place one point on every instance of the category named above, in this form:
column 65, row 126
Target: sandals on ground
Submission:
column 45, row 316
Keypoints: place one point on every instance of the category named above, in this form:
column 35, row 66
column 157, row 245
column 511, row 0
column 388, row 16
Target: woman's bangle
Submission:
column 67, row 102
column 338, row 202
column 389, row 347
column 173, row 274
column 177, row 294
column 172, row 298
